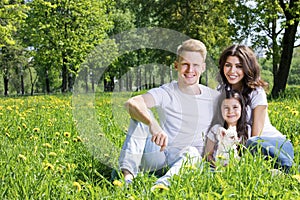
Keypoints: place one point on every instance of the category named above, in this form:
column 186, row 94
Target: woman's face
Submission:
column 231, row 111
column 233, row 71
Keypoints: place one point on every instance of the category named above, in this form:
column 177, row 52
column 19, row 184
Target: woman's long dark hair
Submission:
column 250, row 66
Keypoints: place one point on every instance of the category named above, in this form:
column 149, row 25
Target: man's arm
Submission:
column 138, row 107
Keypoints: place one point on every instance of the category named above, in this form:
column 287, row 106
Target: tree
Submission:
column 12, row 15
column 294, row 78
column 201, row 19
column 62, row 33
column 272, row 26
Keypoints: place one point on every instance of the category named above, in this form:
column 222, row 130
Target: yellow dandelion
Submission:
column 9, row 108
column 295, row 112
column 159, row 186
column 47, row 145
column 79, row 139
column 52, row 154
column 35, row 149
column 20, row 156
column 24, row 125
column 48, row 166
column 117, row 183
column 221, row 157
column 77, row 185
column 67, row 134
column 36, row 130
column 7, row 134
column 19, row 128
column 65, row 142
column 297, row 177
column 59, row 169
column 57, row 133
column 131, row 198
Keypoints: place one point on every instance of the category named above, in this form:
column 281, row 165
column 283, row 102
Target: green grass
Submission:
column 64, row 147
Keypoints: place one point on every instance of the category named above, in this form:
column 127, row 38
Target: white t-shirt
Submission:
column 259, row 97
column 185, row 118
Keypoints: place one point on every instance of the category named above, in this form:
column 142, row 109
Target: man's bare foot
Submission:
column 127, row 175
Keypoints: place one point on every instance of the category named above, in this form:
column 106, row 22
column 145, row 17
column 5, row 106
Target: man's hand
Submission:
column 159, row 137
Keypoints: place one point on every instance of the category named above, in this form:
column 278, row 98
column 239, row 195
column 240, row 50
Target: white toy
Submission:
column 228, row 140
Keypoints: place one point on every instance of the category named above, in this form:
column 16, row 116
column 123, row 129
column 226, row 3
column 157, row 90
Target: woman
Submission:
column 239, row 69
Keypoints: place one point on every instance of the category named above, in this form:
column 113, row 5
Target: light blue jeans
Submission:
column 140, row 154
column 277, row 147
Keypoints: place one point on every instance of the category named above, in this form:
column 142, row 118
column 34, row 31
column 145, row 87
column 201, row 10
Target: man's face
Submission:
column 190, row 66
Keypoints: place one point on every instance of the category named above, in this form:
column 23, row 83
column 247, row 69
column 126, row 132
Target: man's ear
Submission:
column 203, row 67
column 176, row 65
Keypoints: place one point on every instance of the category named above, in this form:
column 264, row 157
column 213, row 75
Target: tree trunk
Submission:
column 64, row 77
column 31, row 81
column 70, row 82
column 22, row 84
column 287, row 50
column 5, row 80
column 276, row 53
column 47, row 81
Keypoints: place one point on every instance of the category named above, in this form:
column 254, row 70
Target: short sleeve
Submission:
column 258, row 98
column 212, row 134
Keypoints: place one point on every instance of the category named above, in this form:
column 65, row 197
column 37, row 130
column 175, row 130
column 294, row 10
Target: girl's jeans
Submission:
column 139, row 153
column 277, row 147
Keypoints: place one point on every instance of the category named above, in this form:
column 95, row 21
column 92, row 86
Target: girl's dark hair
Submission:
column 250, row 66
column 241, row 127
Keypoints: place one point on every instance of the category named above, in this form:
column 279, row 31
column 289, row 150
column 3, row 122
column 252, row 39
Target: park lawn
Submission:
column 64, row 147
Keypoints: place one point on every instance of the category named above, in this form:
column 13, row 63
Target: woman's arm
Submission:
column 259, row 116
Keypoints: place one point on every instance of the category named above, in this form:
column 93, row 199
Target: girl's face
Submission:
column 231, row 111
column 233, row 71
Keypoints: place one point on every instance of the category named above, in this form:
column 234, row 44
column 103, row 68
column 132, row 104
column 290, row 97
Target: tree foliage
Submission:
column 271, row 26
column 51, row 41
column 63, row 32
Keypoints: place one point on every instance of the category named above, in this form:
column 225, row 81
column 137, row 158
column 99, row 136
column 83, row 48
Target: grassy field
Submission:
column 64, row 147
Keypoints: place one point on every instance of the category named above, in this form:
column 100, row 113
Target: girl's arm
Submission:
column 209, row 151
column 259, row 116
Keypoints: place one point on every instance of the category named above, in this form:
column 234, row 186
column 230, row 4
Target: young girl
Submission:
column 234, row 119
column 240, row 70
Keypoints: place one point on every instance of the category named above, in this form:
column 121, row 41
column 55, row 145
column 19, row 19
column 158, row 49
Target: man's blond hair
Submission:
column 192, row 45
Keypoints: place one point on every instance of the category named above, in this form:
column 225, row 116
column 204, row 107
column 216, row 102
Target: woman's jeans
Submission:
column 139, row 153
column 276, row 147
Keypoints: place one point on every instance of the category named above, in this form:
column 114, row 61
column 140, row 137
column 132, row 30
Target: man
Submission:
column 185, row 110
